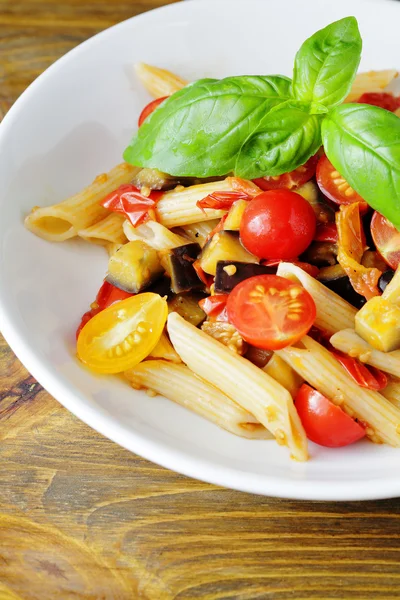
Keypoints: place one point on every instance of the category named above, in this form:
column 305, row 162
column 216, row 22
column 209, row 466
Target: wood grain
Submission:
column 81, row 518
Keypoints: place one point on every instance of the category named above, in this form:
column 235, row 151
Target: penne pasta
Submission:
column 241, row 381
column 181, row 385
column 372, row 81
column 322, row 371
column 351, row 343
column 165, row 350
column 159, row 82
column 199, row 232
column 178, row 207
column 392, row 392
column 107, row 231
column 154, row 234
column 62, row 221
column 333, row 313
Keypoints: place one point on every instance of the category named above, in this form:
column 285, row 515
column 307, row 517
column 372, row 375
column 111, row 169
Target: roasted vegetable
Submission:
column 226, row 334
column 378, row 323
column 178, row 264
column 392, row 291
column 310, row 192
column 156, row 180
column 134, row 267
column 229, row 273
column 224, row 245
column 162, row 287
column 343, row 287
column 187, row 305
column 385, row 279
column 284, row 374
column 258, row 356
column 321, row 254
column 235, row 215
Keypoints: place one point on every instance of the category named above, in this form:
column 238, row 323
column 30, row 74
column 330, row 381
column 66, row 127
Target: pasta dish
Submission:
column 253, row 239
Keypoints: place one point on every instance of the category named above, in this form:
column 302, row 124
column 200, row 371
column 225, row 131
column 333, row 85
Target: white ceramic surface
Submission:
column 73, row 123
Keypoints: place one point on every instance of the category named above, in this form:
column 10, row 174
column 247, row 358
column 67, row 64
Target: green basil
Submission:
column 327, row 63
column 363, row 144
column 285, row 139
column 199, row 130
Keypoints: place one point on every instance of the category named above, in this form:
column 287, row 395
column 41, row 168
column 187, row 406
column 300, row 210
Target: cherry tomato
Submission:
column 325, row 423
column 326, row 232
column 107, row 295
column 381, row 99
column 270, row 312
column 149, row 108
column 287, row 181
column 121, row 336
column 129, row 201
column 278, row 224
column 386, row 239
column 214, row 305
column 366, row 377
column 335, row 187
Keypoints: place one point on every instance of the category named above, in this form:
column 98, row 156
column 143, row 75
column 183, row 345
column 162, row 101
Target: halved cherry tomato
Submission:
column 310, row 269
column 214, row 305
column 149, row 108
column 128, row 201
column 222, row 200
column 381, row 99
column 107, row 295
column 278, row 224
column 366, row 377
column 386, row 239
column 270, row 312
column 121, row 336
column 335, row 187
column 326, row 232
column 291, row 180
column 325, row 423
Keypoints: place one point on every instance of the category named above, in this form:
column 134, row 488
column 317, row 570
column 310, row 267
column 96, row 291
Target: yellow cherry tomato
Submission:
column 121, row 336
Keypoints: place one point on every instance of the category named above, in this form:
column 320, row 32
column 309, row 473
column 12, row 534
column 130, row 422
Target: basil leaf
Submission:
column 363, row 144
column 285, row 139
column 199, row 130
column 327, row 63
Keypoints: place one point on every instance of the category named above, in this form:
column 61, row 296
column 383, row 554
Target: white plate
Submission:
column 73, row 123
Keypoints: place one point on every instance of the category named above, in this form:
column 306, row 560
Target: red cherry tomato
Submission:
column 270, row 312
column 326, row 232
column 278, row 224
column 335, row 187
column 214, row 305
column 325, row 423
column 381, row 99
column 129, row 201
column 149, row 108
column 108, row 294
column 366, row 377
column 386, row 239
column 287, row 181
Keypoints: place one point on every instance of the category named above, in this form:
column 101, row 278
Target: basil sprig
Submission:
column 257, row 126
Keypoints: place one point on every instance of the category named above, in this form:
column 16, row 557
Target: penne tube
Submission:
column 284, row 374
column 352, row 344
column 154, row 234
column 333, row 313
column 322, row 371
column 107, row 231
column 178, row 207
column 199, row 232
column 165, row 350
column 62, row 221
column 243, row 382
column 159, row 82
column 179, row 384
column 392, row 392
column 372, row 81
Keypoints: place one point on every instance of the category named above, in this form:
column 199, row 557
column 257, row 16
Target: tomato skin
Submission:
column 270, row 312
column 202, row 275
column 278, row 224
column 149, row 108
column 326, row 232
column 214, row 305
column 381, row 99
column 222, row 200
column 310, row 269
column 386, row 239
column 129, row 201
column 366, row 377
column 325, row 423
column 216, row 229
column 335, row 187
column 290, row 180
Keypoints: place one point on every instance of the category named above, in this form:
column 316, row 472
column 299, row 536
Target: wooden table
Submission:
column 81, row 518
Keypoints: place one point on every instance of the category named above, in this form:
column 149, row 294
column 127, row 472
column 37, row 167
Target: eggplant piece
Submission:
column 310, row 192
column 162, row 287
column 226, row 334
column 385, row 279
column 321, row 254
column 178, row 263
column 156, row 180
column 187, row 305
column 134, row 267
column 235, row 214
column 224, row 245
column 378, row 324
column 343, row 288
column 258, row 356
column 229, row 273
